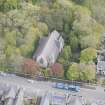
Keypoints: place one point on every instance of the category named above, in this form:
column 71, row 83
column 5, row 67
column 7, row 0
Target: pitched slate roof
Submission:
column 49, row 44
column 42, row 44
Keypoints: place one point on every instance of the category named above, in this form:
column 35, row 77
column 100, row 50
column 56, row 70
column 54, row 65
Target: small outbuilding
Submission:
column 101, row 67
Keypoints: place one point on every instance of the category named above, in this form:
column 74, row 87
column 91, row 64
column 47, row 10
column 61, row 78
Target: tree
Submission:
column 73, row 72
column 87, row 72
column 66, row 28
column 49, row 14
column 10, row 38
column 88, row 55
column 89, row 41
column 43, row 27
column 9, row 51
column 23, row 22
column 82, row 21
column 65, row 55
column 45, row 72
column 74, row 42
column 57, row 70
column 6, row 5
column 96, row 7
column 30, row 39
column 30, row 67
column 86, row 28
column 93, row 39
column 17, row 62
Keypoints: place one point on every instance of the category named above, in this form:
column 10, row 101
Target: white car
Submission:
column 30, row 81
column 3, row 74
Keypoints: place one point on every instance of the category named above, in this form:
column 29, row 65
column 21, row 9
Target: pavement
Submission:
column 30, row 88
column 97, row 96
column 33, row 87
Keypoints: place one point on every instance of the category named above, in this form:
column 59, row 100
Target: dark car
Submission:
column 74, row 88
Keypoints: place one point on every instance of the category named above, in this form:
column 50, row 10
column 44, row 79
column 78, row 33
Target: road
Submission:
column 97, row 95
column 35, row 88
column 41, row 87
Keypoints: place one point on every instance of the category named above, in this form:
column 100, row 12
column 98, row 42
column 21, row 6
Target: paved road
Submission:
column 35, row 88
column 97, row 95
column 40, row 88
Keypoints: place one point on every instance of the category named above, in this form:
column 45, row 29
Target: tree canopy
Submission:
column 72, row 73
column 88, row 55
column 23, row 22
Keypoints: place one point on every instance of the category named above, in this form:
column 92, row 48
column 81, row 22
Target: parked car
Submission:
column 30, row 81
column 66, row 86
column 74, row 88
column 60, row 85
column 3, row 74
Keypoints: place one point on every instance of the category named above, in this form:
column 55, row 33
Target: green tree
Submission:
column 74, row 41
column 96, row 7
column 73, row 72
column 10, row 38
column 43, row 27
column 6, row 5
column 9, row 51
column 87, row 72
column 86, row 28
column 88, row 55
column 89, row 41
column 65, row 55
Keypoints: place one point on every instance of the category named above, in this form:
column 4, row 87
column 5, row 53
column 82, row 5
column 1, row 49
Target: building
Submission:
column 75, row 100
column 101, row 57
column 19, row 97
column 62, row 99
column 12, row 96
column 58, row 99
column 49, row 49
column 8, row 97
column 45, row 100
column 101, row 67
